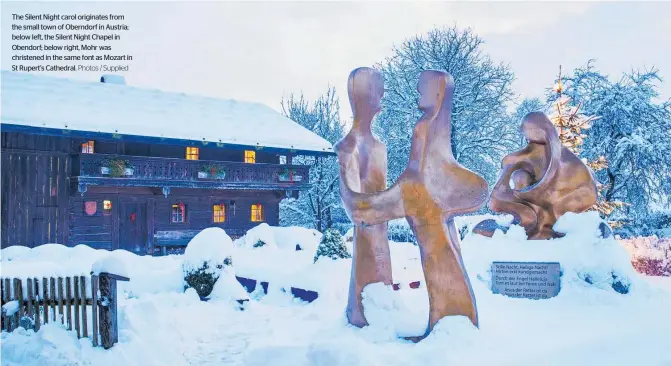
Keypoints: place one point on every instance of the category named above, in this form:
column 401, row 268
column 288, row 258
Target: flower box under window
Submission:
column 211, row 171
column 288, row 175
column 116, row 168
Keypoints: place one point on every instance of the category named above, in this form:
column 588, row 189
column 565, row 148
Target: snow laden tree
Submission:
column 633, row 134
column 482, row 131
column 317, row 207
column 331, row 246
column 571, row 124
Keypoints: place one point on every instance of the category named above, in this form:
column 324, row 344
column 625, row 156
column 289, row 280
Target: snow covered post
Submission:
column 109, row 331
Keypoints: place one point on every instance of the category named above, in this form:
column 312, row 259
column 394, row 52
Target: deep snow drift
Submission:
column 588, row 323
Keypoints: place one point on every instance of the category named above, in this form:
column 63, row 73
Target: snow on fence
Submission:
column 36, row 302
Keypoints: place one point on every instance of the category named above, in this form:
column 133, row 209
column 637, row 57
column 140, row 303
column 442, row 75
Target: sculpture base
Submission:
column 488, row 228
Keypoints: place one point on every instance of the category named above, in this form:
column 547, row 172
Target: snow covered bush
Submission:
column 650, row 255
column 399, row 231
column 331, row 246
column 206, row 257
column 259, row 236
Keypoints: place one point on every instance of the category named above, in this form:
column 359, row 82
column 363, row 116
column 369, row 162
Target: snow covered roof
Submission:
column 46, row 102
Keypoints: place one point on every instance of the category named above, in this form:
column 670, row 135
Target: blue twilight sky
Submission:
column 261, row 51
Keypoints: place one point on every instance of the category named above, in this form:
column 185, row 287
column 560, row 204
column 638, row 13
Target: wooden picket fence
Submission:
column 41, row 301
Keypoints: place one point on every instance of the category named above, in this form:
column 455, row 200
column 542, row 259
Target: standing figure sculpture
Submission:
column 363, row 168
column 541, row 182
column 429, row 193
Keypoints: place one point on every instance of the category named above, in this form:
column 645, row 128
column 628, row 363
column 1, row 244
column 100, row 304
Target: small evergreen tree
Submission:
column 332, row 246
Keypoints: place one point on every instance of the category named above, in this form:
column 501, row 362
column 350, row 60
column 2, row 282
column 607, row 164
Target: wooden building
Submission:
column 118, row 167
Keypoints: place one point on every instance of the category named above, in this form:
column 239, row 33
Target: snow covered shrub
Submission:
column 331, row 246
column 202, row 279
column 399, row 231
column 27, row 322
column 259, row 236
column 650, row 255
column 206, row 256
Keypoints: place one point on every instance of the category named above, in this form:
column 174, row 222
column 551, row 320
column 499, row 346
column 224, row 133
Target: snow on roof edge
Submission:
column 133, row 111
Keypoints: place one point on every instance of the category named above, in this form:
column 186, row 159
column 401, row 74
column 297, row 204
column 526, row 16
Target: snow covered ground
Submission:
column 160, row 324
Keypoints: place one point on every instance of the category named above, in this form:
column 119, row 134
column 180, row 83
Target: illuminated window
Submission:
column 107, row 207
column 178, row 213
column 87, row 147
column 250, row 156
column 219, row 213
column 191, row 153
column 257, row 213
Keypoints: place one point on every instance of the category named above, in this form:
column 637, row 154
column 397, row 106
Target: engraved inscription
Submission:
column 531, row 280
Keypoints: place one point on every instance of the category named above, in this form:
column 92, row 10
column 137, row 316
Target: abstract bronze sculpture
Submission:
column 433, row 189
column 541, row 182
column 363, row 168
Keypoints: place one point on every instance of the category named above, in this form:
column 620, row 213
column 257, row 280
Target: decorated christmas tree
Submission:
column 570, row 123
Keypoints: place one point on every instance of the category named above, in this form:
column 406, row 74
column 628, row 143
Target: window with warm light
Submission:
column 257, row 213
column 87, row 147
column 107, row 207
column 191, row 153
column 250, row 156
column 178, row 213
column 219, row 213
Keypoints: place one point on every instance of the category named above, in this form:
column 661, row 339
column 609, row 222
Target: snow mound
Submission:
column 110, row 264
column 149, row 275
column 211, row 245
column 586, row 260
column 276, row 237
column 291, row 237
column 227, row 288
column 387, row 313
column 257, row 237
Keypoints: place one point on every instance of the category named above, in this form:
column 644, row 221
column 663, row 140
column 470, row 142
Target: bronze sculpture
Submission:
column 429, row 193
column 363, row 168
column 541, row 182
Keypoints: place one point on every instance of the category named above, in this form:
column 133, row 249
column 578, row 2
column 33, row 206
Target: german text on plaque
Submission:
column 531, row 280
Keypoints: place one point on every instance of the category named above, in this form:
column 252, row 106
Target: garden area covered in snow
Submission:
column 605, row 312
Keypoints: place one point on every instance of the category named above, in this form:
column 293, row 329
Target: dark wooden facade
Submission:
column 47, row 183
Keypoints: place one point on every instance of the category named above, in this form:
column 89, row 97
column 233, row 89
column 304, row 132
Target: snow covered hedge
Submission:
column 206, row 256
column 650, row 255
